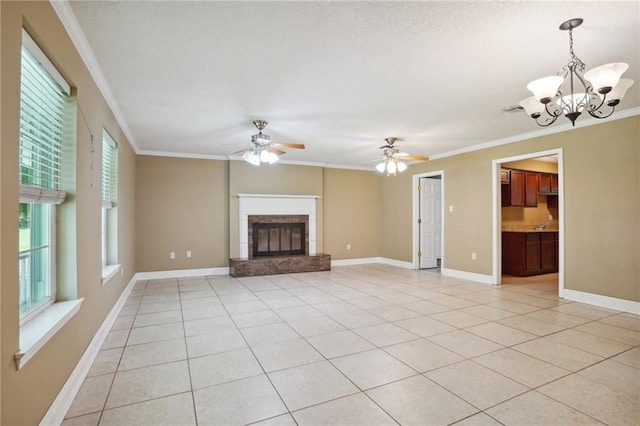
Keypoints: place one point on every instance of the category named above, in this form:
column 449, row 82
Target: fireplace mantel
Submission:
column 276, row 196
column 275, row 204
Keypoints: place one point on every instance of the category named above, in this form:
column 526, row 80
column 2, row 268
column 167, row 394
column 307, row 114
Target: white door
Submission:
column 430, row 222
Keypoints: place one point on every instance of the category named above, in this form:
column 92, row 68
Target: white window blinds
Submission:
column 109, row 171
column 44, row 110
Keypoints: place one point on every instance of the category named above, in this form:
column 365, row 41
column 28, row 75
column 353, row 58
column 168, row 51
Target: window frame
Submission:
column 40, row 307
column 40, row 194
column 108, row 211
column 38, row 325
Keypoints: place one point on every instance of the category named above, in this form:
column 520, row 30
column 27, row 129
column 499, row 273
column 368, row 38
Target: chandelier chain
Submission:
column 575, row 62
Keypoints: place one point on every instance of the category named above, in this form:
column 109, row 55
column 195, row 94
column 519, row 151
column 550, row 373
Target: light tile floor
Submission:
column 368, row 344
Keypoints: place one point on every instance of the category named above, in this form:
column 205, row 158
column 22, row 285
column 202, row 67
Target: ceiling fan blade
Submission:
column 289, row 145
column 275, row 150
column 241, row 151
column 414, row 158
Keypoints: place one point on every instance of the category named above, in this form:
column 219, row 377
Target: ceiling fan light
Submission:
column 264, row 156
column 532, row 106
column 391, row 168
column 273, row 157
column 605, row 77
column 251, row 158
column 544, row 89
column 620, row 89
column 401, row 166
column 380, row 167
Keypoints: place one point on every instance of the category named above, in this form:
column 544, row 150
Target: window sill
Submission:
column 38, row 331
column 109, row 272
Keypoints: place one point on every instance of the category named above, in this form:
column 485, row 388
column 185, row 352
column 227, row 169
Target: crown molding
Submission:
column 538, row 133
column 173, row 154
column 70, row 23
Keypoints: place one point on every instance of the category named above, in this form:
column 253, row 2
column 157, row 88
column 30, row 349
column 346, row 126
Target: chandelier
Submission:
column 573, row 91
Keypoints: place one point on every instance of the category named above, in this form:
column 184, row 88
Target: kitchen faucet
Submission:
column 542, row 226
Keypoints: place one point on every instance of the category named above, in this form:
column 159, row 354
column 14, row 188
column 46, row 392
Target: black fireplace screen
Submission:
column 278, row 239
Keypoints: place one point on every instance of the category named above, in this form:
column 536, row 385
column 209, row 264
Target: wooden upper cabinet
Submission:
column 517, row 188
column 554, row 184
column 531, row 189
column 548, row 183
column 544, row 183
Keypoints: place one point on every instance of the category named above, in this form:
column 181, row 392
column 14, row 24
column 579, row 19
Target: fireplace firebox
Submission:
column 278, row 239
column 278, row 235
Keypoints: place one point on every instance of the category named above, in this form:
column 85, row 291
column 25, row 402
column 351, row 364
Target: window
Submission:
column 45, row 112
column 109, row 200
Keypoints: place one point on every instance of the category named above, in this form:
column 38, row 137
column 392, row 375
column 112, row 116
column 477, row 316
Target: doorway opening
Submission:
column 528, row 220
column 428, row 223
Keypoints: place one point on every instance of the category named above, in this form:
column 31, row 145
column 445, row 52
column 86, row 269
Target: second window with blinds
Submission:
column 110, row 264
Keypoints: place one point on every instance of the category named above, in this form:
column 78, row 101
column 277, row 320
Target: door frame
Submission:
column 416, row 215
column 497, row 213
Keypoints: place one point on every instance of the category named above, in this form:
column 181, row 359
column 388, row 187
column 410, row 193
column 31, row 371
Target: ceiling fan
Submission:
column 262, row 150
column 391, row 157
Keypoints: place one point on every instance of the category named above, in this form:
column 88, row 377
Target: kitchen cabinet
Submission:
column 548, row 252
column 529, row 253
column 520, row 188
column 516, row 188
column 531, row 189
column 544, row 183
column 554, row 184
column 548, row 183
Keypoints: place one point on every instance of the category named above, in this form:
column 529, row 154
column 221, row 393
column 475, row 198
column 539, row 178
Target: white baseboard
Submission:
column 395, row 262
column 469, row 276
column 181, row 273
column 369, row 260
column 602, row 301
column 358, row 261
column 62, row 403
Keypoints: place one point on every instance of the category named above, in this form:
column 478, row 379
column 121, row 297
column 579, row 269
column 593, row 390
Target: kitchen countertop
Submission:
column 528, row 228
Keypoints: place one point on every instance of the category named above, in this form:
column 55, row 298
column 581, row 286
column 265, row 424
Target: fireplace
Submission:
column 283, row 240
column 278, row 235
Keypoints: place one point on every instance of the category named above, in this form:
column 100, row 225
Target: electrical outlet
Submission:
column 550, row 217
column 188, row 253
column 348, row 246
column 172, row 255
column 474, row 256
column 451, row 208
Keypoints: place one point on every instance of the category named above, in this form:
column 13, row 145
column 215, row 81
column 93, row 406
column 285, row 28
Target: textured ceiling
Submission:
column 189, row 77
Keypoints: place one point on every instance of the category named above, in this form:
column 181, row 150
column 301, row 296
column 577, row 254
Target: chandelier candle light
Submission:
column 573, row 91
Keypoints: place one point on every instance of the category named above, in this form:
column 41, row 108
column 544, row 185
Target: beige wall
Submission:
column 182, row 204
column 352, row 214
column 397, row 216
column 26, row 394
column 602, row 207
column 286, row 179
